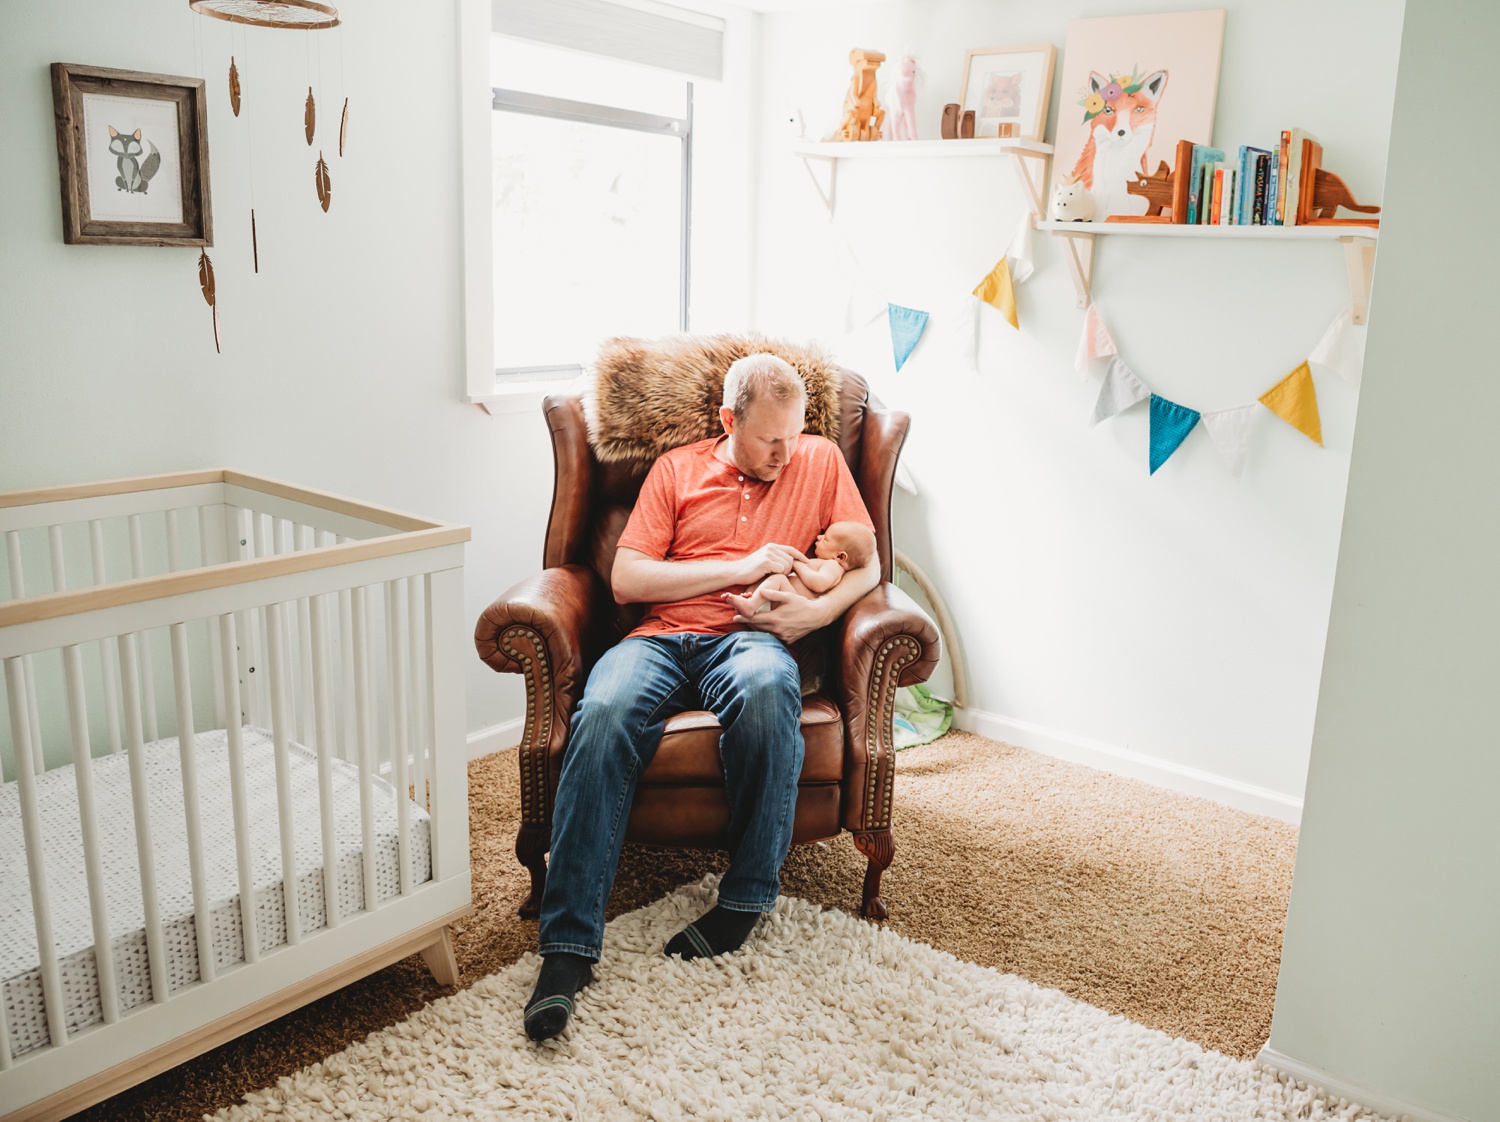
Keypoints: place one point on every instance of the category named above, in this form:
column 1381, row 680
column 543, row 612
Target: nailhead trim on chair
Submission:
column 877, row 815
column 538, row 729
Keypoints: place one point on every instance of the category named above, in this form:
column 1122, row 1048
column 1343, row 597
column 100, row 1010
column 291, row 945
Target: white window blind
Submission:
column 651, row 34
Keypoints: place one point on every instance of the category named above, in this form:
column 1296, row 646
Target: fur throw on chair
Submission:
column 648, row 396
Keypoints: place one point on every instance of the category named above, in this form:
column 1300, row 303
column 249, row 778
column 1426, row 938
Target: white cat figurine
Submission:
column 1071, row 202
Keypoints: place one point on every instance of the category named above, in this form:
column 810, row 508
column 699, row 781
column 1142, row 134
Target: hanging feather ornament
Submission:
column 325, row 188
column 254, row 245
column 234, row 87
column 310, row 117
column 344, row 127
column 206, row 282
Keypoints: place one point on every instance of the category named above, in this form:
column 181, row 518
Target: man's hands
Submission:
column 790, row 616
column 768, row 559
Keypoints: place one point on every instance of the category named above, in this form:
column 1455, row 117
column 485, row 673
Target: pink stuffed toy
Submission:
column 903, row 123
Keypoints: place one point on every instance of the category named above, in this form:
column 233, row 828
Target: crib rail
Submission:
column 147, row 609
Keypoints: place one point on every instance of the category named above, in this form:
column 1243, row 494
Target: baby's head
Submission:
column 849, row 543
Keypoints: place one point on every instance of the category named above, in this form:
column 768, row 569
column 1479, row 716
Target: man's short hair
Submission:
column 760, row 376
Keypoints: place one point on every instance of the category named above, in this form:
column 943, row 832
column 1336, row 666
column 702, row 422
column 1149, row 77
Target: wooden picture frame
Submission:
column 1025, row 73
column 119, row 185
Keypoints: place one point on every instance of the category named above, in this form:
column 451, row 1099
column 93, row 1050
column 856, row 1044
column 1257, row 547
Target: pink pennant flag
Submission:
column 1095, row 342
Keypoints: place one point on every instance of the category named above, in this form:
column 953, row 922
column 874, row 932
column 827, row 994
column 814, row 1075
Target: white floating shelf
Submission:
column 1358, row 242
column 1174, row 230
column 895, row 149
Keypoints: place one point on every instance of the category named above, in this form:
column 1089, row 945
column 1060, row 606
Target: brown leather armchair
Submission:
column 552, row 627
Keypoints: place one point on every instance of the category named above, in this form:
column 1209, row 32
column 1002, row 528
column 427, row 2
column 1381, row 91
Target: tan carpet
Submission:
column 1163, row 908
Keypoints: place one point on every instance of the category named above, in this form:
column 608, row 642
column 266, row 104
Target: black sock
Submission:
column 551, row 1004
column 719, row 931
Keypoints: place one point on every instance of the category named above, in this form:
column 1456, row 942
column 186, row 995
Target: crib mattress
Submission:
column 20, row 971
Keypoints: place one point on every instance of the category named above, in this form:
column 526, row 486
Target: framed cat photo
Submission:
column 132, row 150
column 1008, row 89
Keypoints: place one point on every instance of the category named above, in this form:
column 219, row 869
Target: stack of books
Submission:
column 1262, row 187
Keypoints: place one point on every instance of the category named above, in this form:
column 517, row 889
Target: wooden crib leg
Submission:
column 440, row 960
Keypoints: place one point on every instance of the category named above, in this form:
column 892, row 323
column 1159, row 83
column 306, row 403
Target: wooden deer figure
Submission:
column 862, row 113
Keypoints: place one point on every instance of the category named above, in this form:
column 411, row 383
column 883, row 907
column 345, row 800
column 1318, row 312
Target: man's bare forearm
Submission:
column 639, row 579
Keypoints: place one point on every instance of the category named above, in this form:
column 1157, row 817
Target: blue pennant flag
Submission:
column 1170, row 425
column 907, row 325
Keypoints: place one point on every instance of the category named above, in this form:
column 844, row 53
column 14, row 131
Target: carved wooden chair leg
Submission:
column 532, row 843
column 881, row 850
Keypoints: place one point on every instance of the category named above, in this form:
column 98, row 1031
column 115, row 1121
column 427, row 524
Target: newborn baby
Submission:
column 841, row 547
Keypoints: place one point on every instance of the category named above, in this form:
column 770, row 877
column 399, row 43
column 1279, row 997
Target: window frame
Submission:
column 608, row 116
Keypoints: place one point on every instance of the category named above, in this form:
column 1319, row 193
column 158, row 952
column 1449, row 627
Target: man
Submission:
column 714, row 516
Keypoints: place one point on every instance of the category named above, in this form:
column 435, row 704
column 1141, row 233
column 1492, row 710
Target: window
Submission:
column 591, row 193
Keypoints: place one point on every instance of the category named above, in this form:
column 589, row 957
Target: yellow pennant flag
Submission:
column 1295, row 402
column 996, row 289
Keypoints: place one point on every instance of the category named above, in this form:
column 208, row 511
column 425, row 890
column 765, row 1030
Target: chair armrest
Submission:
column 546, row 628
column 884, row 642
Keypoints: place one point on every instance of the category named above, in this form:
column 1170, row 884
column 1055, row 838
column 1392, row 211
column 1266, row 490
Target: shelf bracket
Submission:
column 1031, row 169
column 1359, row 260
column 829, row 193
column 1078, row 252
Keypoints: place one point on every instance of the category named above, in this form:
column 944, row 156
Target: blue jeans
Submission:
column 749, row 681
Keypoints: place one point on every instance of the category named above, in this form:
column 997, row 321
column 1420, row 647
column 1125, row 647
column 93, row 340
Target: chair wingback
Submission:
column 591, row 502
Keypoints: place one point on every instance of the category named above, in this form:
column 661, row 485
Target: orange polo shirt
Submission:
column 695, row 507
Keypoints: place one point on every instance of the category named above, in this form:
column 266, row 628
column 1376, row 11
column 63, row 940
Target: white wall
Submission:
column 1181, row 617
column 1389, row 976
column 342, row 366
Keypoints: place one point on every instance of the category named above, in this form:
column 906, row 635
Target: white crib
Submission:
column 232, row 752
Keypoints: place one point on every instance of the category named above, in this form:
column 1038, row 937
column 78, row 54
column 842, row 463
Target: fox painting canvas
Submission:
column 1132, row 87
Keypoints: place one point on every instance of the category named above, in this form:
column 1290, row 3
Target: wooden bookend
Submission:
column 1328, row 194
column 1155, row 188
column 950, row 121
column 1180, row 181
column 966, row 126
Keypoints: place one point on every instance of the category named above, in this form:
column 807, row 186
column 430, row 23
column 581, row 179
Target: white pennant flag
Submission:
column 963, row 333
column 1229, row 429
column 1120, row 390
column 1339, row 350
column 1019, row 251
column 1095, row 342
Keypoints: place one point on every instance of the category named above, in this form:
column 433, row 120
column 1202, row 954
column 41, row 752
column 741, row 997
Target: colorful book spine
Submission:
column 1202, row 154
column 1231, row 193
column 1245, row 185
column 1273, row 188
column 1262, row 182
column 1286, row 140
column 1218, row 196
column 1206, row 205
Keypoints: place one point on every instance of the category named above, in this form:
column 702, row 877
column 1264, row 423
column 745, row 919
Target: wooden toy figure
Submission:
column 950, row 121
column 904, row 116
column 862, row 113
column 1155, row 188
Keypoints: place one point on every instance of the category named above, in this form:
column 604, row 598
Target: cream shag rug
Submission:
column 820, row 1016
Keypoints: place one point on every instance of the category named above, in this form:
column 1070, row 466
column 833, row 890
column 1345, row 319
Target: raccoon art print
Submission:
column 135, row 173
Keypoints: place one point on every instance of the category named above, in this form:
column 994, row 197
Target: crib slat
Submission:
column 211, row 545
column 187, row 750
column 350, row 741
column 276, row 672
column 323, row 724
column 106, row 651
column 306, row 724
column 364, row 743
column 88, row 817
column 395, row 644
column 264, row 546
column 31, row 831
column 18, row 591
column 241, row 547
column 148, row 676
column 59, row 567
column 229, row 675
column 156, row 944
column 174, row 543
column 418, row 694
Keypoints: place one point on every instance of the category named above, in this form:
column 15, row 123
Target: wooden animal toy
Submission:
column 1006, row 130
column 1328, row 194
column 950, row 121
column 904, row 116
column 862, row 113
column 1072, row 202
column 1155, row 188
column 966, row 125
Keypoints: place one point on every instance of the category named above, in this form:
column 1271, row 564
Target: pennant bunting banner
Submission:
column 1095, row 342
column 1120, row 390
column 1170, row 425
column 997, row 289
column 1338, row 350
column 907, row 325
column 1294, row 399
column 963, row 334
column 1295, row 402
column 1019, row 252
column 1229, row 429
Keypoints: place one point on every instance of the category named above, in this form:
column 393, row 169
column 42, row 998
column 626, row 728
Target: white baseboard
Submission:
column 1122, row 761
column 1336, row 1086
column 507, row 734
